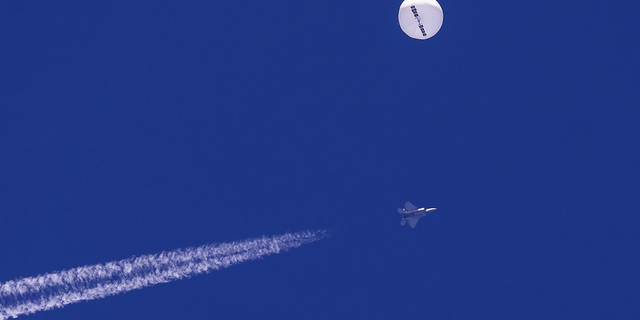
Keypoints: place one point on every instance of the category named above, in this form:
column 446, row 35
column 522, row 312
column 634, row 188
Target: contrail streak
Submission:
column 57, row 289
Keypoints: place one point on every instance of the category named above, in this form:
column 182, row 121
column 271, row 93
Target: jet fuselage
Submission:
column 412, row 214
column 421, row 212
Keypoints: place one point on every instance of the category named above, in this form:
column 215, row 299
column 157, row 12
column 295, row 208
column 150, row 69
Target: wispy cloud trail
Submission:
column 57, row 289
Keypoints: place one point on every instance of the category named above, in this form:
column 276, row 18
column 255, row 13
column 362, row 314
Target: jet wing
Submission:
column 413, row 221
column 409, row 207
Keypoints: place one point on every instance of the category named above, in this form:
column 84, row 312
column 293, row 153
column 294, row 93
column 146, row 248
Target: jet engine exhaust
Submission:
column 57, row 289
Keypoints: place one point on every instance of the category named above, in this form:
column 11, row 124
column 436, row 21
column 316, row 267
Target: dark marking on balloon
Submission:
column 415, row 14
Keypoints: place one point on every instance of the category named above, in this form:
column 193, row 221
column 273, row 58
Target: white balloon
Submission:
column 420, row 19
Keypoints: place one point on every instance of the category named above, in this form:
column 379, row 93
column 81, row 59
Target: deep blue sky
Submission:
column 132, row 128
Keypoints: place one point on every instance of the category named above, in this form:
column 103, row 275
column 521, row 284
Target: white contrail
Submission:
column 57, row 289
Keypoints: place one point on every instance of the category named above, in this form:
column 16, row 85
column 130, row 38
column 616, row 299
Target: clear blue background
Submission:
column 129, row 128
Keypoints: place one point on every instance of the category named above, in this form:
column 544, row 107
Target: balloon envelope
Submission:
column 420, row 19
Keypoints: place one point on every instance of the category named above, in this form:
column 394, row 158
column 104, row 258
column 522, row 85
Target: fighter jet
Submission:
column 412, row 214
